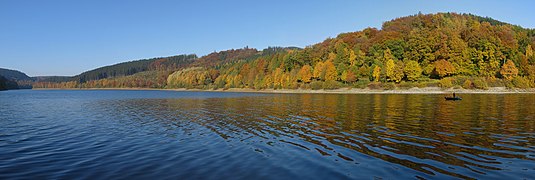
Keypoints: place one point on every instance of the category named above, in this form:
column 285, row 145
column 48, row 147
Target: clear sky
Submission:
column 66, row 37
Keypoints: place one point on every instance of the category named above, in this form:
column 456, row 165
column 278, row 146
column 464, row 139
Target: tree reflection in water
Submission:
column 481, row 135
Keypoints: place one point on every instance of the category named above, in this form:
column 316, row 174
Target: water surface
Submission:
column 213, row 135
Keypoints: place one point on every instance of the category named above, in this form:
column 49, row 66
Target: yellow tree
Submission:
column 389, row 67
column 376, row 73
column 412, row 70
column 387, row 55
column 509, row 70
column 343, row 77
column 397, row 75
column 393, row 67
column 318, row 69
column 529, row 51
column 330, row 71
column 277, row 77
column 305, row 74
column 352, row 58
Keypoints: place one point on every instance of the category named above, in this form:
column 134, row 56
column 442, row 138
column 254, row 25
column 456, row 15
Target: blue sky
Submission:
column 64, row 37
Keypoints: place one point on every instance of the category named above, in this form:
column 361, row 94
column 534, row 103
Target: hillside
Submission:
column 53, row 78
column 118, row 71
column 14, row 75
column 133, row 67
column 6, row 84
column 444, row 49
column 157, row 78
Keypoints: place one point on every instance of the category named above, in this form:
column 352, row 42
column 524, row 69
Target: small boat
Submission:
column 453, row 98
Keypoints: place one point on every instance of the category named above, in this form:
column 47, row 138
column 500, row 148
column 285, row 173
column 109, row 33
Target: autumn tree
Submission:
column 352, row 58
column 330, row 71
column 398, row 74
column 529, row 54
column 443, row 68
column 389, row 68
column 412, row 70
column 529, row 51
column 509, row 70
column 305, row 74
column 318, row 69
column 364, row 71
column 376, row 73
column 348, row 76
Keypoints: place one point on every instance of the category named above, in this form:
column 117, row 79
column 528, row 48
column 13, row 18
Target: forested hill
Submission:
column 463, row 49
column 133, row 67
column 14, row 75
column 444, row 49
column 6, row 84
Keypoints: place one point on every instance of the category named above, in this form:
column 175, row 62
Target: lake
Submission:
column 121, row 134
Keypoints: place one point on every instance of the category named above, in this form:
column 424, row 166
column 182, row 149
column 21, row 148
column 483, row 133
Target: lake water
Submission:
column 113, row 134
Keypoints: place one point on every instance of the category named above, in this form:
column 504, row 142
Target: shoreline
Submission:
column 415, row 90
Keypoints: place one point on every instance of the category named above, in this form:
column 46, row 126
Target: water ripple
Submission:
column 169, row 135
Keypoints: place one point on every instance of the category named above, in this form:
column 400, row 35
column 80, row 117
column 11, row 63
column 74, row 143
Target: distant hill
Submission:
column 53, row 78
column 14, row 75
column 133, row 67
column 6, row 84
column 151, row 72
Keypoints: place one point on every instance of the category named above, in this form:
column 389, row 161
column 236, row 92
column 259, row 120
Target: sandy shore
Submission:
column 415, row 90
column 427, row 90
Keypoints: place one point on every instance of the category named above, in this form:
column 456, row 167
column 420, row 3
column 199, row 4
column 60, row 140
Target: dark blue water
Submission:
column 116, row 134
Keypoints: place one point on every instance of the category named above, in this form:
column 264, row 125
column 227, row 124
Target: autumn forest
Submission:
column 445, row 50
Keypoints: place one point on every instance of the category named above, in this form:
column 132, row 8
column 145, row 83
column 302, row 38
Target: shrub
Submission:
column 493, row 82
column 509, row 85
column 389, row 86
column 305, row 86
column 468, row 84
column 315, row 85
column 431, row 83
column 331, row 84
column 480, row 83
column 421, row 85
column 407, row 85
column 361, row 83
column 446, row 82
column 521, row 82
column 375, row 85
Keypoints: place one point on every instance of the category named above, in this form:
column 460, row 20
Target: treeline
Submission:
column 157, row 77
column 146, row 79
column 444, row 49
column 147, row 73
column 14, row 75
column 13, row 79
column 133, row 67
column 6, row 84
column 419, row 48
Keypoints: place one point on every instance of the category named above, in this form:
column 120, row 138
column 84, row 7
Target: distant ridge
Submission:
column 14, row 75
